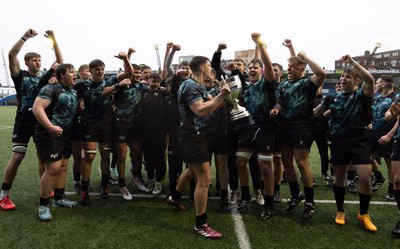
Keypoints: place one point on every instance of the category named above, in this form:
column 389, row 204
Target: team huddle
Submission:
column 191, row 114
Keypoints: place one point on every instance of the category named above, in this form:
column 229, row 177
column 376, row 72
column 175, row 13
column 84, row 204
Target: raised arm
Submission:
column 123, row 78
column 164, row 71
column 12, row 54
column 57, row 52
column 216, row 61
column 268, row 71
column 170, row 69
column 366, row 77
column 127, row 65
column 319, row 73
column 288, row 43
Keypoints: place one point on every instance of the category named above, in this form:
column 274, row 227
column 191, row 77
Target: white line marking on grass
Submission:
column 356, row 202
column 240, row 228
column 150, row 196
column 6, row 127
column 240, row 231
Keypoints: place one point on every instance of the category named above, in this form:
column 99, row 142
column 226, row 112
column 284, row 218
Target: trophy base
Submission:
column 239, row 123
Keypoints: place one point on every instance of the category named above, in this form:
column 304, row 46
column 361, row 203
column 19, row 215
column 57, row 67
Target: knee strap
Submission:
column 19, row 148
column 244, row 154
column 265, row 158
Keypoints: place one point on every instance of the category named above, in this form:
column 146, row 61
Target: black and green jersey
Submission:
column 296, row 98
column 380, row 104
column 95, row 105
column 350, row 112
column 27, row 88
column 63, row 106
column 127, row 101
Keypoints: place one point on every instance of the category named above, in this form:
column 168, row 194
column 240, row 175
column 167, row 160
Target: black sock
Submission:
column 77, row 176
column 339, row 193
column 390, row 188
column 309, row 194
column 176, row 195
column 121, row 182
column 245, row 192
column 294, row 189
column 201, row 220
column 396, row 194
column 104, row 180
column 364, row 203
column 85, row 186
column 6, row 186
column 59, row 193
column 224, row 194
column 269, row 201
column 277, row 187
column 44, row 201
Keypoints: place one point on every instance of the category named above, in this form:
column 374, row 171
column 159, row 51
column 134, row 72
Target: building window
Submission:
column 386, row 55
column 378, row 56
column 395, row 53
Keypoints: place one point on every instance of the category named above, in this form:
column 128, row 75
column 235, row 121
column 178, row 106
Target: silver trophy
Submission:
column 239, row 116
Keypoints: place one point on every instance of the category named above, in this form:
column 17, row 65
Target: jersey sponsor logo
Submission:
column 54, row 156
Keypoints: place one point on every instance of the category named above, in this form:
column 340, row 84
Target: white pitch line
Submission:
column 150, row 196
column 6, row 127
column 240, row 228
column 240, row 231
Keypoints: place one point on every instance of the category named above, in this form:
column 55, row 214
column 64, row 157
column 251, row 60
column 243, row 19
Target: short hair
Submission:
column 257, row 61
column 353, row 73
column 62, row 69
column 144, row 67
column 96, row 63
column 297, row 60
column 184, row 63
column 278, row 65
column 31, row 55
column 155, row 76
column 197, row 62
column 387, row 78
column 136, row 67
column 240, row 60
column 83, row 67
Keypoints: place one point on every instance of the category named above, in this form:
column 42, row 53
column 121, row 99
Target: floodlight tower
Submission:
column 6, row 70
column 157, row 48
column 368, row 60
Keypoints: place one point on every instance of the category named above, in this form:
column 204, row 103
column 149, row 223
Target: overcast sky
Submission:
column 88, row 30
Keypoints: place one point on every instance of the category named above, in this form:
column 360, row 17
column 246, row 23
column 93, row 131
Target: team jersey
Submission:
column 127, row 101
column 189, row 92
column 296, row 98
column 63, row 106
column 95, row 105
column 27, row 88
column 217, row 122
column 153, row 110
column 350, row 112
column 259, row 99
column 380, row 105
column 396, row 101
